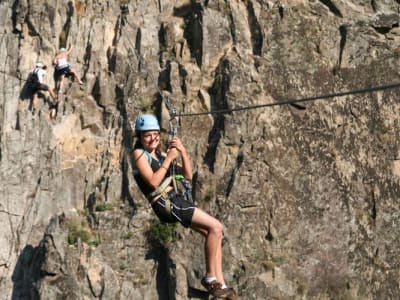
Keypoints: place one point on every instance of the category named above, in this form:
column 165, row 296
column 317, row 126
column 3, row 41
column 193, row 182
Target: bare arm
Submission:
column 176, row 143
column 55, row 59
column 69, row 50
column 142, row 165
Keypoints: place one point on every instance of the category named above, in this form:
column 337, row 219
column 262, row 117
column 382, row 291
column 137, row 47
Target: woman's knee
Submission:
column 218, row 228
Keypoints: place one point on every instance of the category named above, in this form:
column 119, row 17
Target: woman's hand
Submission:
column 173, row 153
column 177, row 148
column 176, row 143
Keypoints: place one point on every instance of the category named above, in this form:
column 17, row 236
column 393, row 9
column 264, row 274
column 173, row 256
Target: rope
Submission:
column 298, row 100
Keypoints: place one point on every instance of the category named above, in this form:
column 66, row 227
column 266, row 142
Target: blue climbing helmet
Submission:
column 146, row 122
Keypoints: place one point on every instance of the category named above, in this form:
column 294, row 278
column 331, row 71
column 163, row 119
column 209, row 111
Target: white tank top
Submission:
column 62, row 63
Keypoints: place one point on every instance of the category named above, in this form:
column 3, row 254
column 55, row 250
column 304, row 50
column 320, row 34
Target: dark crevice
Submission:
column 281, row 11
column 373, row 208
column 127, row 142
column 159, row 4
column 88, row 54
column 384, row 30
column 26, row 273
column 269, row 236
column 373, row 5
column 232, row 27
column 193, row 31
column 118, row 27
column 96, row 91
column 197, row 293
column 219, row 101
column 332, row 7
column 52, row 16
column 343, row 39
column 162, row 44
column 165, row 280
column 106, row 188
column 86, row 58
column 125, row 184
column 138, row 42
column 164, row 79
column 239, row 161
column 17, row 125
column 14, row 16
column 384, row 23
column 31, row 266
column 298, row 106
column 183, row 74
column 182, row 11
column 255, row 30
column 63, row 38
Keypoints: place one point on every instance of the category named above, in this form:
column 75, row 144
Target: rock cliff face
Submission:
column 309, row 194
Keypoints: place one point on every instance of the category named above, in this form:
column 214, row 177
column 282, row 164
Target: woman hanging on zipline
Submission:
column 152, row 167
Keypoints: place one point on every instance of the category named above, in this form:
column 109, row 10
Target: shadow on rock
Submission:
column 160, row 254
column 27, row 275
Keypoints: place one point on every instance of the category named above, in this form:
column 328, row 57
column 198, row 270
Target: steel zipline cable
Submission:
column 174, row 115
column 297, row 100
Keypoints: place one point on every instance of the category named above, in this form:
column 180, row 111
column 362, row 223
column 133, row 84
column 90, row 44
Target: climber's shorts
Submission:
column 181, row 209
column 64, row 71
column 39, row 87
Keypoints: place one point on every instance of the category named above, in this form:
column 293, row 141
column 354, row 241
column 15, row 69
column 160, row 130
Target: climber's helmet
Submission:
column 146, row 122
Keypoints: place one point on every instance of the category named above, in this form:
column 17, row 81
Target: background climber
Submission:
column 63, row 68
column 36, row 83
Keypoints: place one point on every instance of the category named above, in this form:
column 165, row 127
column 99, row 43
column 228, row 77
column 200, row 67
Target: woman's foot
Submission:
column 226, row 293
column 210, row 284
column 218, row 290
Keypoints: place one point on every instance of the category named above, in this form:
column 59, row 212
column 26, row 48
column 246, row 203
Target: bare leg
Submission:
column 76, row 76
column 212, row 229
column 218, row 267
column 52, row 94
column 34, row 101
column 60, row 83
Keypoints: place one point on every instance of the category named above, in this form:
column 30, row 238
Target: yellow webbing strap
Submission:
column 161, row 187
column 168, row 206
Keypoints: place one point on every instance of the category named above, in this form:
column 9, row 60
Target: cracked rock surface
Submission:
column 308, row 193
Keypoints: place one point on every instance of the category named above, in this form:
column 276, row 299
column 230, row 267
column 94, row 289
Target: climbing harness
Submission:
column 161, row 189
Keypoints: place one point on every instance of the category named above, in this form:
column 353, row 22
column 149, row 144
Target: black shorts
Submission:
column 64, row 71
column 182, row 210
column 38, row 87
